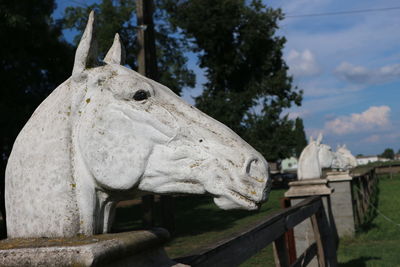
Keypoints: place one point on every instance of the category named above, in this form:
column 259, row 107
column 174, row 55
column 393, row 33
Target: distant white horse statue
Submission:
column 314, row 157
column 107, row 134
column 344, row 160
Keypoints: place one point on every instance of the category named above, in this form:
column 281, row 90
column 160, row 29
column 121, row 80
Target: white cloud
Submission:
column 385, row 137
column 302, row 63
column 372, row 139
column 375, row 116
column 350, row 38
column 362, row 75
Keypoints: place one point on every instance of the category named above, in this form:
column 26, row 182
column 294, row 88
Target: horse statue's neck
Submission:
column 44, row 150
column 309, row 167
column 48, row 174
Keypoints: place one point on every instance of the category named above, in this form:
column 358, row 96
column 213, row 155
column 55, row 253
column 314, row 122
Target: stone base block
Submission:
column 342, row 202
column 338, row 176
column 137, row 248
column 306, row 188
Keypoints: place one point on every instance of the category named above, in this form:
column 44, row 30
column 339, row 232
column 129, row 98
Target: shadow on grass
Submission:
column 365, row 227
column 360, row 262
column 193, row 215
column 127, row 219
column 205, row 218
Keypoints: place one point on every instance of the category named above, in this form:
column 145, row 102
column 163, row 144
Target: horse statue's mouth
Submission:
column 235, row 200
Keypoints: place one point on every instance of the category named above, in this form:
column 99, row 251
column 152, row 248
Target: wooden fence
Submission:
column 237, row 249
column 365, row 195
column 388, row 169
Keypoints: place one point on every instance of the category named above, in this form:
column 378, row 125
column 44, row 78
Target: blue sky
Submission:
column 348, row 66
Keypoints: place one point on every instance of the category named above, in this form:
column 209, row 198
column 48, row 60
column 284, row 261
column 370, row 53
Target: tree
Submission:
column 117, row 16
column 34, row 60
column 299, row 137
column 248, row 85
column 388, row 153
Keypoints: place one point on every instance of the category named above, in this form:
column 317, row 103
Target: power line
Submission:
column 344, row 12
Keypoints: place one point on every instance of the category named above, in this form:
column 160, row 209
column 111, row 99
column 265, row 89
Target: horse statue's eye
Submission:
column 140, row 95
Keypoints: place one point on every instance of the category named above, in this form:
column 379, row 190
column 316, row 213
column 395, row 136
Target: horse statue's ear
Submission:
column 116, row 54
column 319, row 139
column 311, row 139
column 86, row 53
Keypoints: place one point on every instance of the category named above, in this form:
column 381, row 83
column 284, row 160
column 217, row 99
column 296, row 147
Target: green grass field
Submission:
column 379, row 245
column 200, row 223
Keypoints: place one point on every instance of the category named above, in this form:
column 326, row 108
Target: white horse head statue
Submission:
column 107, row 134
column 313, row 159
column 344, row 160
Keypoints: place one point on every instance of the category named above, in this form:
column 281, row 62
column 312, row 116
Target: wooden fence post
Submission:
column 148, row 211
column 281, row 252
column 318, row 241
column 168, row 213
column 326, row 249
column 289, row 235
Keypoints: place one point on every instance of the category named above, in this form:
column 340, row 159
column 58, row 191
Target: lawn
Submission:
column 203, row 223
column 199, row 223
column 379, row 245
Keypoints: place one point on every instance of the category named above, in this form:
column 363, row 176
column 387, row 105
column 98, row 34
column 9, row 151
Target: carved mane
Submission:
column 47, row 137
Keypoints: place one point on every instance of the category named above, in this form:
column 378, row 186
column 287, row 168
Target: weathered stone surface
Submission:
column 314, row 157
column 310, row 187
column 344, row 160
column 341, row 201
column 108, row 134
column 138, row 248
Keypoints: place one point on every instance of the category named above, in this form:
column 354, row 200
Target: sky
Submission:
column 348, row 66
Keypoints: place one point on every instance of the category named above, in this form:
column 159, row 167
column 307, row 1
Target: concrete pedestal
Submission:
column 298, row 191
column 341, row 201
column 138, row 248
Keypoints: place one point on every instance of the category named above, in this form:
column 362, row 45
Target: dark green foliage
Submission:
column 248, row 85
column 120, row 16
column 388, row 153
column 299, row 136
column 34, row 60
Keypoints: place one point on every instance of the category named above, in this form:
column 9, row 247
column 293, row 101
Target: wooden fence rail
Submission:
column 364, row 190
column 237, row 249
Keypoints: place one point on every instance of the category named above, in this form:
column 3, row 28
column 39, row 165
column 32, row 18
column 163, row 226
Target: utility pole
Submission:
column 147, row 66
column 147, row 61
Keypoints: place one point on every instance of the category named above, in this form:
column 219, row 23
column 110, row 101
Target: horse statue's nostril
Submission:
column 255, row 168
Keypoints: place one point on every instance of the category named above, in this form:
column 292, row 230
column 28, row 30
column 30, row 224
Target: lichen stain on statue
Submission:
column 108, row 134
column 317, row 156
